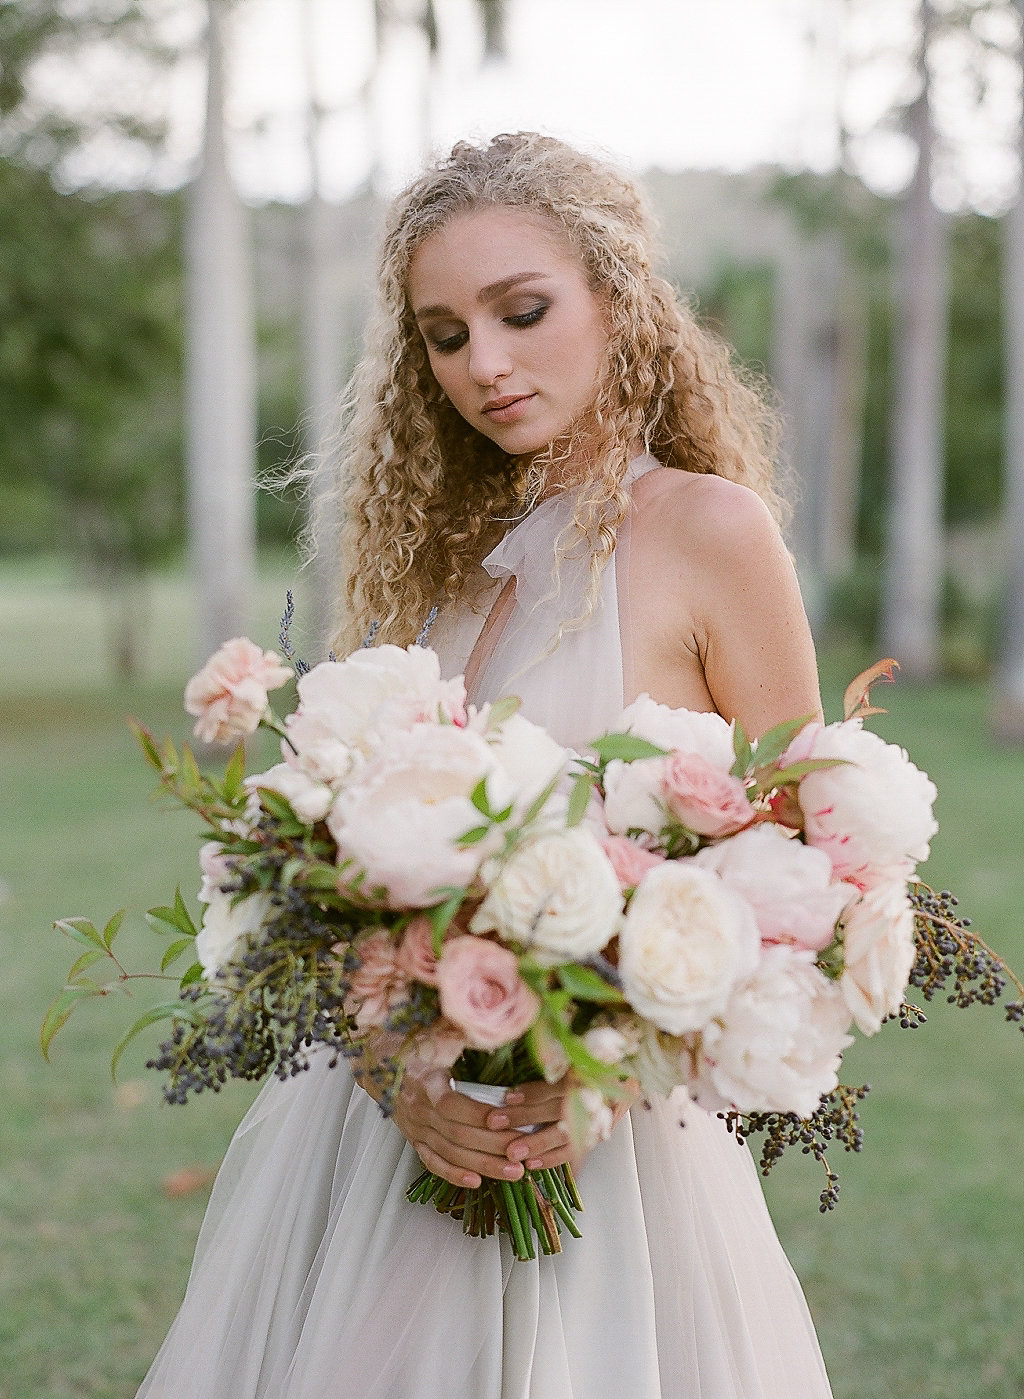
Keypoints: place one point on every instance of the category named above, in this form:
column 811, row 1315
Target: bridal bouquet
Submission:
column 431, row 889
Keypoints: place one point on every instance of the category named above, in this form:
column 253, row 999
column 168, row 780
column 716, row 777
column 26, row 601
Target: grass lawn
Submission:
column 915, row 1281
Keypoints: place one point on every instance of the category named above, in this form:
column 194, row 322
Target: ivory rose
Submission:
column 878, row 954
column 685, row 941
column 556, row 894
column 357, row 701
column 483, row 994
column 688, row 730
column 789, row 885
column 310, row 800
column 777, row 1044
column 229, row 695
column 400, row 821
column 378, row 984
column 226, row 925
column 703, row 797
column 872, row 814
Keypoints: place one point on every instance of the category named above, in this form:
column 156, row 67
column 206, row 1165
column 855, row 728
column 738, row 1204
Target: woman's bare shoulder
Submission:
column 715, row 520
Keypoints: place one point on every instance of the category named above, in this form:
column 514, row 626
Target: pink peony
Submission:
column 378, row 985
column 789, row 885
column 483, row 994
column 229, row 695
column 872, row 814
column 629, row 860
column 416, row 952
column 703, row 797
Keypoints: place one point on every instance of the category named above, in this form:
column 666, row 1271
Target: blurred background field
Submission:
column 190, row 196
column 915, row 1281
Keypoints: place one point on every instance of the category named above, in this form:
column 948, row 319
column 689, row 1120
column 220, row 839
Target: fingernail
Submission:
column 471, row 1181
column 535, row 1164
column 498, row 1119
column 512, row 1172
column 518, row 1150
column 511, row 1099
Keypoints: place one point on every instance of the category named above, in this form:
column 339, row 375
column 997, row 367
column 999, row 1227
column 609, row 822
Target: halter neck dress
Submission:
column 314, row 1278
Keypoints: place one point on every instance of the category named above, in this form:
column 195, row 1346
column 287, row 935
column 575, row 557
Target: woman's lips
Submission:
column 509, row 409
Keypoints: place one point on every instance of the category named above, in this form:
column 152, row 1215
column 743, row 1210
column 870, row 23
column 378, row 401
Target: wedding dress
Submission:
column 314, row 1278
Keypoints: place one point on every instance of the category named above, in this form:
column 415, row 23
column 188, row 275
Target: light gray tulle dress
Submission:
column 315, row 1279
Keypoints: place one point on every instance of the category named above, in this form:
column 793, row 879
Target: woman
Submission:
column 527, row 368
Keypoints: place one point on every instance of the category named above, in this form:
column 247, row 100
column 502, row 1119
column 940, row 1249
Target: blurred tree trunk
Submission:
column 913, row 562
column 1008, row 718
column 220, row 377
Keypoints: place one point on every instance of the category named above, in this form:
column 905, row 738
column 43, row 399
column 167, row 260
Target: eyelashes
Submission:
column 451, row 343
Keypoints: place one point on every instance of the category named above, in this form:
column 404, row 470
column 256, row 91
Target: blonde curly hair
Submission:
column 425, row 496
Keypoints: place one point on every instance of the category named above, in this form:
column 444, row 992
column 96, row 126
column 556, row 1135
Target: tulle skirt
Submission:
column 314, row 1278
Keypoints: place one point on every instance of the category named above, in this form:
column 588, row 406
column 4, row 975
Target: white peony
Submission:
column 788, row 884
column 556, row 894
column 214, row 868
column 310, row 800
column 530, row 756
column 226, row 925
column 878, row 953
column 374, row 691
column 634, row 796
column 401, row 819
column 685, row 941
column 872, row 814
column 777, row 1045
column 688, row 730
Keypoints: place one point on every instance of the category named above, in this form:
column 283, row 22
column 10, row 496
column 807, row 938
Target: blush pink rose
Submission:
column 379, row 983
column 703, row 797
column 483, row 994
column 416, row 952
column 629, row 860
column 229, row 695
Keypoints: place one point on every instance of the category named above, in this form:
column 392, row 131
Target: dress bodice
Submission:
column 568, row 675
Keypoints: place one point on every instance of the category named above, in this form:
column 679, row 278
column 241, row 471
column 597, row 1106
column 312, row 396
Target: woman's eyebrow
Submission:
column 485, row 294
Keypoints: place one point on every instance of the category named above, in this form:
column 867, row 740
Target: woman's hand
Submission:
column 543, row 1105
column 451, row 1136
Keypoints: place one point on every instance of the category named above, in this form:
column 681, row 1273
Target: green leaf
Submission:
column 278, row 807
column 442, row 914
column 473, row 836
column 741, row 747
column 184, row 917
column 626, row 748
column 168, row 757
column 234, row 775
column 81, row 930
column 795, row 771
column 503, row 709
column 194, row 974
column 771, row 745
column 111, row 930
column 585, row 984
column 478, row 797
column 173, row 952
column 166, row 1010
column 540, row 801
column 91, row 955
column 190, row 774
column 579, row 799
column 59, row 1012
column 147, row 743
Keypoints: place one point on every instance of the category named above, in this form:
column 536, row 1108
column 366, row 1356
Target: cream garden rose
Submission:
column 685, row 941
column 557, row 894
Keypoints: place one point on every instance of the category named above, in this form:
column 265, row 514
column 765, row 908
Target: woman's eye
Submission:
column 528, row 317
column 450, row 343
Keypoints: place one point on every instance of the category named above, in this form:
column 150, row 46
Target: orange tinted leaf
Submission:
column 856, row 700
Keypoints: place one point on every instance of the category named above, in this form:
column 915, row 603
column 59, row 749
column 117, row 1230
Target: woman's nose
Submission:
column 489, row 358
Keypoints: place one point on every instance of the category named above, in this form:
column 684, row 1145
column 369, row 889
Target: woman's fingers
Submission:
column 548, row 1147
column 529, row 1105
column 449, row 1141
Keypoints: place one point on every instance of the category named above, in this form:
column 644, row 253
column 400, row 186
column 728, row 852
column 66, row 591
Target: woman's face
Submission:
column 515, row 336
